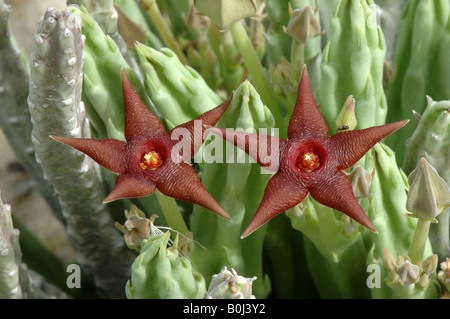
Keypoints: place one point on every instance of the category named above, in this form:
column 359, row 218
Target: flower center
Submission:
column 151, row 160
column 309, row 161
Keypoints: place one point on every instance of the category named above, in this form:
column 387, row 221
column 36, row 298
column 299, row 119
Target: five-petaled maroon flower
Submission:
column 150, row 159
column 309, row 161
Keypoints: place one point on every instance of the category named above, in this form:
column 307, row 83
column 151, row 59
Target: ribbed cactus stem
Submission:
column 178, row 92
column 104, row 13
column 15, row 119
column 16, row 280
column 420, row 63
column 162, row 272
column 10, row 256
column 352, row 64
column 56, row 108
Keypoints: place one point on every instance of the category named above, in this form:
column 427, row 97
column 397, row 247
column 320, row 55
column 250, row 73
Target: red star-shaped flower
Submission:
column 309, row 161
column 150, row 159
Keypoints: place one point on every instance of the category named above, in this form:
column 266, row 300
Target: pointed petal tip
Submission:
column 56, row 138
column 63, row 140
column 227, row 217
column 108, row 200
column 371, row 228
column 404, row 122
column 253, row 226
column 221, row 212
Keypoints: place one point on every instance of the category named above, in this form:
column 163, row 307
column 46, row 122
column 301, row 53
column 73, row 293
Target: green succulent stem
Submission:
column 171, row 213
column 297, row 57
column 155, row 14
column 419, row 240
column 258, row 75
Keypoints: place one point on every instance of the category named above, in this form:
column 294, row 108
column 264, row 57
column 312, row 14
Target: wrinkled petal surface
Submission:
column 348, row 147
column 139, row 120
column 130, row 186
column 336, row 192
column 306, row 118
column 282, row 193
column 108, row 153
column 180, row 181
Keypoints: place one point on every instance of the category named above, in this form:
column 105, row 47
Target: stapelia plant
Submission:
column 298, row 94
column 150, row 159
column 309, row 161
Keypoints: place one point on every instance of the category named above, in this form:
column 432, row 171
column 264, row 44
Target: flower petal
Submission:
column 306, row 118
column 180, row 181
column 335, row 191
column 129, row 186
column 282, row 193
column 108, row 153
column 193, row 136
column 348, row 147
column 139, row 120
column 264, row 149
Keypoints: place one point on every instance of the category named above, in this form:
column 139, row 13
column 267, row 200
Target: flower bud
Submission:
column 424, row 280
column 346, row 120
column 303, row 25
column 136, row 229
column 361, row 180
column 388, row 260
column 430, row 264
column 444, row 274
column 428, row 195
column 224, row 13
column 229, row 285
column 408, row 273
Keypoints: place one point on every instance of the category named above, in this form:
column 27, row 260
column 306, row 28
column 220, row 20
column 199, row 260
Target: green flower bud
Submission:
column 346, row 120
column 229, row 285
column 424, row 280
column 303, row 25
column 389, row 260
column 428, row 195
column 361, row 180
column 224, row 13
column 430, row 264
